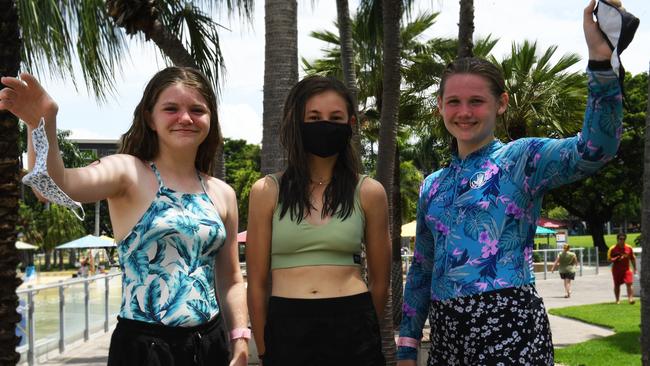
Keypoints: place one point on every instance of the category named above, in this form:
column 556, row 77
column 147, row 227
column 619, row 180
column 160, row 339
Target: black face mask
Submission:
column 325, row 138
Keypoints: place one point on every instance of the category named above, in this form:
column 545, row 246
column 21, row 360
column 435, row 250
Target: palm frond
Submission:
column 199, row 33
column 49, row 48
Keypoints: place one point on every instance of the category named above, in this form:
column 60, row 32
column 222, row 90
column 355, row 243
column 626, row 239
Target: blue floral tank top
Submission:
column 167, row 260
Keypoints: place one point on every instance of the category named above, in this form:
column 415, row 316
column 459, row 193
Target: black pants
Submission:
column 336, row 331
column 503, row 327
column 136, row 343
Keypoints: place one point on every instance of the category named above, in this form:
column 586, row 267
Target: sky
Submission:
column 556, row 22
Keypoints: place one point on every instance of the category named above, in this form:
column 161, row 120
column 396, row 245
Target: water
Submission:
column 47, row 314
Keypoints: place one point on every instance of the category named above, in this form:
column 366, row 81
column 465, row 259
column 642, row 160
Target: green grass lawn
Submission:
column 622, row 348
column 585, row 241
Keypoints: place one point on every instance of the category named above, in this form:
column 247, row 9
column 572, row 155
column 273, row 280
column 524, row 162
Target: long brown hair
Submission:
column 338, row 198
column 142, row 142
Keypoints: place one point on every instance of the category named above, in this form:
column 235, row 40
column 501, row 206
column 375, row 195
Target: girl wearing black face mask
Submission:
column 306, row 226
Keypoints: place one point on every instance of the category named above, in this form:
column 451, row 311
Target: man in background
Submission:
column 621, row 255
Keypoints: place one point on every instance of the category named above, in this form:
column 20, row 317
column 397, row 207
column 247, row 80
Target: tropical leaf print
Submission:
column 168, row 261
column 199, row 309
column 136, row 265
column 152, row 300
column 476, row 221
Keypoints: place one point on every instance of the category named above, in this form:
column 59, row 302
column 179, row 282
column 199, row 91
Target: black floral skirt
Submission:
column 503, row 327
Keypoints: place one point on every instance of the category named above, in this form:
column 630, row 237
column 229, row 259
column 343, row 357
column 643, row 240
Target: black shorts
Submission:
column 568, row 275
column 502, row 327
column 136, row 343
column 336, row 331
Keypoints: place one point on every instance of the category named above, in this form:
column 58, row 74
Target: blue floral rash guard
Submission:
column 476, row 218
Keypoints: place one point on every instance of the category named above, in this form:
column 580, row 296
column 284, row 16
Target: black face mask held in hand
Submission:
column 325, row 138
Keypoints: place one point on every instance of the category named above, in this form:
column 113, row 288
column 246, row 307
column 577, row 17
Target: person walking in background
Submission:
column 566, row 261
column 621, row 255
column 305, row 230
column 175, row 225
column 476, row 219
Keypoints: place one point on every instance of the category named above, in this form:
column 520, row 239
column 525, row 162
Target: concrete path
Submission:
column 588, row 289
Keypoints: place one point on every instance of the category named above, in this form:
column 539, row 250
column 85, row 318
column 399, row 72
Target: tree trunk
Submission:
column 391, row 14
column 219, row 164
column 645, row 254
column 72, row 258
column 10, row 45
column 595, row 228
column 347, row 62
column 466, row 28
column 48, row 259
column 171, row 46
column 396, row 238
column 280, row 74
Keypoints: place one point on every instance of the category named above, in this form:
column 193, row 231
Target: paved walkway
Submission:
column 588, row 289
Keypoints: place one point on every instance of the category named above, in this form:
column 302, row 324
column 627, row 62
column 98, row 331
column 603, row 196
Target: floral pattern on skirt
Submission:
column 503, row 327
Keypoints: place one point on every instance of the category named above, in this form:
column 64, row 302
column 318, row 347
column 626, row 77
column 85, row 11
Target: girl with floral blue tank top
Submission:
column 476, row 218
column 176, row 226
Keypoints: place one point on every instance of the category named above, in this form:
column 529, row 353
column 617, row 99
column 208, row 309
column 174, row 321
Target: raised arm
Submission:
column 229, row 278
column 27, row 100
column 417, row 291
column 261, row 204
column 541, row 163
column 377, row 237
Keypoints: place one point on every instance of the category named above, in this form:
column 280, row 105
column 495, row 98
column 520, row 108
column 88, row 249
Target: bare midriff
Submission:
column 317, row 282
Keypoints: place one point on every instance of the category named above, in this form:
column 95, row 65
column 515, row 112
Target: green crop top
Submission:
column 337, row 242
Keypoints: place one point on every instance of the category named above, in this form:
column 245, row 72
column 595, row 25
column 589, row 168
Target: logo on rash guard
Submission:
column 478, row 180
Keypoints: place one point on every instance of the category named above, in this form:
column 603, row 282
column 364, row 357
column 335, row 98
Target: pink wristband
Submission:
column 240, row 333
column 407, row 342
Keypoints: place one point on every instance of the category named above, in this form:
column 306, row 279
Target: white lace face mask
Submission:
column 41, row 181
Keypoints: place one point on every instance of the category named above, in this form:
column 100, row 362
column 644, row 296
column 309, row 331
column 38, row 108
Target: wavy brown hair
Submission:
column 142, row 142
column 293, row 197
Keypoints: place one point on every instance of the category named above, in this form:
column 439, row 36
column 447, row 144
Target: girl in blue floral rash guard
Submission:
column 476, row 218
column 173, row 223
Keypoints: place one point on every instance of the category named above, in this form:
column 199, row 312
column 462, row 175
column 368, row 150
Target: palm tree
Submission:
column 545, row 99
column 347, row 59
column 645, row 254
column 391, row 15
column 466, row 28
column 347, row 47
column 280, row 74
column 10, row 45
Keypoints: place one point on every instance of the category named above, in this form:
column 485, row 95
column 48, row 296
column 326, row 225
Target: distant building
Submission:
column 101, row 147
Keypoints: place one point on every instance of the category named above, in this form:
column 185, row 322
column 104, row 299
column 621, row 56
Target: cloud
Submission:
column 240, row 121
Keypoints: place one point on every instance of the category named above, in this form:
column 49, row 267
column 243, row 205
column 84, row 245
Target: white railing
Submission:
column 548, row 257
column 38, row 305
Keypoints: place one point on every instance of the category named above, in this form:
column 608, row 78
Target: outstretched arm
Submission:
column 27, row 100
column 546, row 163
